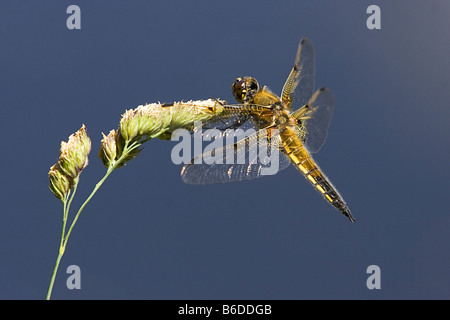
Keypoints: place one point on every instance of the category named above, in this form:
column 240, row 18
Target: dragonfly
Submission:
column 295, row 124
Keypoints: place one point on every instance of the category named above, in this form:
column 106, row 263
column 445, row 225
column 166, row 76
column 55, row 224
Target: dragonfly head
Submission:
column 244, row 89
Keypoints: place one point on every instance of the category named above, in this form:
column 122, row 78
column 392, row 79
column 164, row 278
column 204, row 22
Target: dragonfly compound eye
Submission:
column 244, row 89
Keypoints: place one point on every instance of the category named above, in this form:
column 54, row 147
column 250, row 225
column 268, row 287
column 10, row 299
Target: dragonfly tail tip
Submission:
column 349, row 215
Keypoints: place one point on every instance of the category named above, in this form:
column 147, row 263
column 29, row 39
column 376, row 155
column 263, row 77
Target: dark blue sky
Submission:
column 146, row 235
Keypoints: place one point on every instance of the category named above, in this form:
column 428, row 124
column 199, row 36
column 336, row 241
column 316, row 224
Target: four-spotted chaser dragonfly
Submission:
column 301, row 117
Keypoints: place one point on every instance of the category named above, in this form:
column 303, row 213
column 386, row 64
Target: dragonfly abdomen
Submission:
column 309, row 168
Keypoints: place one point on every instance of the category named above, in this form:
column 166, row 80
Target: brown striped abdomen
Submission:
column 303, row 161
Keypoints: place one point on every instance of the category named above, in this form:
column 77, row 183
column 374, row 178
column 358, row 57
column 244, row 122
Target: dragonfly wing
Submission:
column 314, row 119
column 299, row 85
column 237, row 161
column 236, row 116
column 232, row 117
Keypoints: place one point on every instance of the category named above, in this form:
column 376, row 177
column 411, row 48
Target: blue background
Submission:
column 146, row 235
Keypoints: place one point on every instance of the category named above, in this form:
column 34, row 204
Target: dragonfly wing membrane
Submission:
column 299, row 85
column 314, row 119
column 247, row 159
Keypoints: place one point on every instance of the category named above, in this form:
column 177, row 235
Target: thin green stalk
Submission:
column 72, row 195
column 66, row 204
column 97, row 186
column 60, row 252
column 55, row 270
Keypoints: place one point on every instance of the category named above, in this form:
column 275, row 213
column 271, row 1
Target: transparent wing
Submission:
column 251, row 157
column 236, row 116
column 233, row 116
column 229, row 117
column 202, row 114
column 314, row 119
column 299, row 85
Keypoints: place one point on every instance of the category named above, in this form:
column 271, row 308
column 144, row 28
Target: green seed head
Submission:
column 59, row 183
column 108, row 149
column 73, row 158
